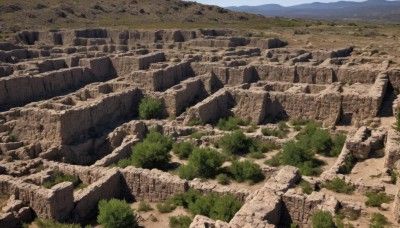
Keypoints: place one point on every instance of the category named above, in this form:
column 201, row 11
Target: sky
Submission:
column 261, row 2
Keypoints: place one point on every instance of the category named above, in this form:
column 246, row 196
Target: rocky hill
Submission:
column 18, row 15
column 371, row 10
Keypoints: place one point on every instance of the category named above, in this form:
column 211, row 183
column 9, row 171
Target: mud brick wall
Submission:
column 392, row 149
column 127, row 64
column 152, row 185
column 276, row 73
column 43, row 85
column 250, row 104
column 315, row 74
column 54, row 203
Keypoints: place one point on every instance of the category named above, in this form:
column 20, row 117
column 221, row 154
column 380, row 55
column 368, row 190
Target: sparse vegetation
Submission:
column 59, row 177
column 183, row 149
column 150, row 108
column 48, row 223
column 144, row 207
column 271, row 132
column 378, row 221
column 203, row 162
column 197, row 135
column 116, row 213
column 180, row 221
column 231, row 124
column 306, row 187
column 376, row 199
column 153, row 152
column 223, row 179
column 322, row 219
column 338, row 185
column 166, row 207
column 246, row 170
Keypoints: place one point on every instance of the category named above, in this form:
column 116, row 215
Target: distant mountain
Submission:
column 371, row 10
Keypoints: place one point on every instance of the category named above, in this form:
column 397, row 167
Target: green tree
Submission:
column 246, row 170
column 116, row 214
column 183, row 149
column 236, row 143
column 203, row 162
column 322, row 219
column 150, row 108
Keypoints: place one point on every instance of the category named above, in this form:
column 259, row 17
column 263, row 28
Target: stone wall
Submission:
column 392, row 150
column 71, row 119
column 124, row 65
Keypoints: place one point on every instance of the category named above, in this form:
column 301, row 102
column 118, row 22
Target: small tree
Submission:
column 150, row 108
column 116, row 214
column 322, row 219
column 246, row 170
column 202, row 163
column 236, row 143
column 183, row 149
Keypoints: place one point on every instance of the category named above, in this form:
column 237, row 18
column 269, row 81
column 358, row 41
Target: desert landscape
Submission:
column 212, row 118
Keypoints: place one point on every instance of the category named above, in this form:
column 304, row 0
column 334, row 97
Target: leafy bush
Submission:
column 271, row 132
column 378, row 221
column 150, row 108
column 246, row 170
column 123, row 163
column 145, row 207
column 195, row 122
column 59, row 177
column 166, row 207
column 153, row 152
column 203, row 162
column 321, row 142
column 306, row 187
column 180, row 221
column 197, row 135
column 349, row 163
column 338, row 185
column 116, row 213
column 397, row 127
column 216, row 207
column 236, row 143
column 322, row 219
column 298, row 122
column 283, row 126
column 338, row 143
column 223, row 179
column 253, row 127
column 231, row 124
column 48, row 223
column 393, row 177
column 376, row 199
column 183, row 149
column 256, row 155
column 274, row 161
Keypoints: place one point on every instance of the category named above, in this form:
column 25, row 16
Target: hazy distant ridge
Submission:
column 371, row 10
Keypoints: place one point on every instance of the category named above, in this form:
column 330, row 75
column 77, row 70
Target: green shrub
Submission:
column 271, row 132
column 253, row 127
column 338, row 185
column 197, row 135
column 223, row 179
column 231, row 124
column 321, row 142
column 116, row 213
column 203, row 162
column 183, row 149
column 338, row 143
column 256, row 155
column 274, row 161
column 378, row 221
column 295, row 153
column 166, row 207
column 48, row 223
column 376, row 199
column 306, row 187
column 123, row 163
column 180, row 221
column 298, row 122
column 144, row 206
column 393, row 177
column 246, row 170
column 150, row 108
column 216, row 207
column 322, row 219
column 349, row 163
column 235, row 143
column 153, row 152
column 397, row 127
column 283, row 126
column 195, row 122
column 59, row 177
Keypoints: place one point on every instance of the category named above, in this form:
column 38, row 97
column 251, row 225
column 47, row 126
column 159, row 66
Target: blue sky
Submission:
column 261, row 2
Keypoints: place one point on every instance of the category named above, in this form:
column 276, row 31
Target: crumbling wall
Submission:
column 392, row 150
column 250, row 104
column 152, row 185
column 127, row 64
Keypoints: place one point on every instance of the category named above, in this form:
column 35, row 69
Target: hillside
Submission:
column 371, row 11
column 37, row 14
